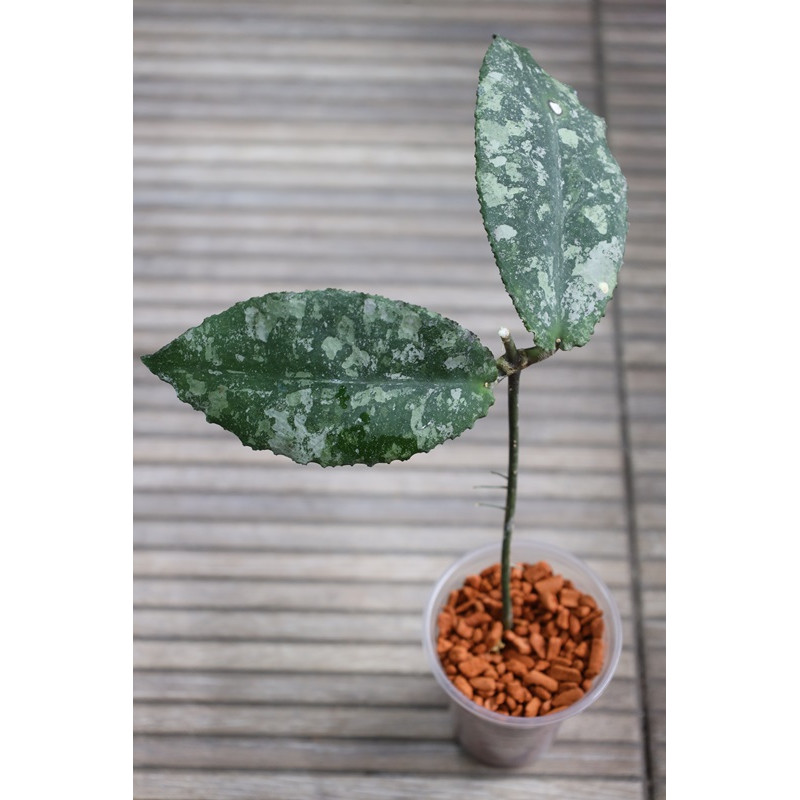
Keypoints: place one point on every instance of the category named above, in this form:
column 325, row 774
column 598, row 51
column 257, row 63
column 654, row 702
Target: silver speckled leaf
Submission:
column 332, row 377
column 553, row 198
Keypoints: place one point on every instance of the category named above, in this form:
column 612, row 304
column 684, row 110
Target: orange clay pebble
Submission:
column 473, row 581
column 443, row 645
column 541, row 666
column 553, row 648
column 532, row 708
column 540, row 679
column 569, row 598
column 548, row 588
column 458, row 653
column 516, row 668
column 537, row 571
column 567, row 697
column 561, row 673
column 483, row 685
column 463, row 685
column 464, row 629
column 472, row 667
column 537, row 643
column 519, row 693
column 523, row 645
column 495, row 635
column 595, row 658
column 542, row 693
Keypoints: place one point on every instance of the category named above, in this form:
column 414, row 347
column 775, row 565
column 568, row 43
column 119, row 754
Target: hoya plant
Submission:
column 338, row 377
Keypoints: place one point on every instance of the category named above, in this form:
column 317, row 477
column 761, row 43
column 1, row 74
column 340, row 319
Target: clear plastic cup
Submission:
column 497, row 739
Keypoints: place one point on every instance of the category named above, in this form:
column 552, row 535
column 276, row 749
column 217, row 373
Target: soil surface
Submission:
column 542, row 666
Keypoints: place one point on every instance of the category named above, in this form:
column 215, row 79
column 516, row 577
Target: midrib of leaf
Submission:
column 559, row 280
column 310, row 381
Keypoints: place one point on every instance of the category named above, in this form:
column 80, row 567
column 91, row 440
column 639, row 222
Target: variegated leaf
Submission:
column 332, row 377
column 553, row 198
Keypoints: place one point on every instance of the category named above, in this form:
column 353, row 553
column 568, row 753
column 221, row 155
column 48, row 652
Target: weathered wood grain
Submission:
column 175, row 784
column 427, row 757
column 347, row 690
column 378, row 595
column 209, row 624
column 347, row 536
column 348, row 723
column 277, row 609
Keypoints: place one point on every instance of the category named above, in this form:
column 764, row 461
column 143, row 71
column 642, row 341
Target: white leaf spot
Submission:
column 504, row 232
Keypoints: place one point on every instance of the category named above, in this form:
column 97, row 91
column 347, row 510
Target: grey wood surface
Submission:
column 278, row 607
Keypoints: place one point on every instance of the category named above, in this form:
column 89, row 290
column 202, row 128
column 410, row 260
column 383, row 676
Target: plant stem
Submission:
column 513, row 358
column 511, row 496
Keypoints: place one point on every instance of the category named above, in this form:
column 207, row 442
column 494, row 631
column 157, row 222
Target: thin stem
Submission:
column 511, row 496
column 511, row 364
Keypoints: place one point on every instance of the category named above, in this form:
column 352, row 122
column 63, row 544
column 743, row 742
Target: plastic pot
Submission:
column 494, row 738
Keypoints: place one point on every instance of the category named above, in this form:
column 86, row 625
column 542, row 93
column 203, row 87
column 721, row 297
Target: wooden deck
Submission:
column 293, row 145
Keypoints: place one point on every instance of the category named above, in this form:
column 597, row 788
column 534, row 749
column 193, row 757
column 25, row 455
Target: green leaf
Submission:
column 332, row 377
column 552, row 197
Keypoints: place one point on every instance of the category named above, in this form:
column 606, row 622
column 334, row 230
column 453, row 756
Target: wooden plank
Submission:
column 310, row 69
column 298, row 175
column 167, row 292
column 345, row 690
column 166, row 449
column 392, row 567
column 654, row 603
column 452, row 537
column 243, row 44
column 411, row 131
column 208, row 686
column 254, row 625
column 454, row 483
column 648, row 459
column 365, row 202
column 350, row 723
column 366, row 155
column 243, row 593
column 278, row 785
column 429, row 515
column 287, row 625
column 333, row 25
column 369, row 9
column 315, row 657
column 652, row 543
column 576, row 758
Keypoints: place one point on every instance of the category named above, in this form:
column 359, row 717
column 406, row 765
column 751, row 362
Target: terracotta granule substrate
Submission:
column 546, row 663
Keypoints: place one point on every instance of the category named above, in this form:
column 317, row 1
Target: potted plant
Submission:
column 337, row 377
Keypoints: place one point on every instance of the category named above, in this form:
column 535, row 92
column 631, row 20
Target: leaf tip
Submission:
column 147, row 360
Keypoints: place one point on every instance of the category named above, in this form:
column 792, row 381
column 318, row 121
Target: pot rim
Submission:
column 600, row 683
